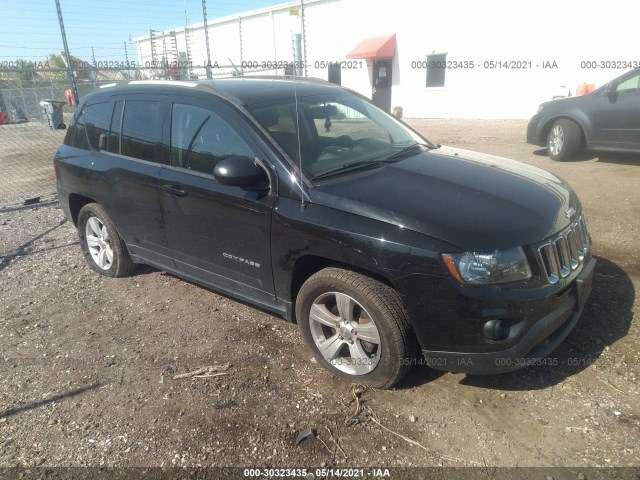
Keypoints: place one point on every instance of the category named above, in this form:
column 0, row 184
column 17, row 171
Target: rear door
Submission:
column 217, row 233
column 128, row 170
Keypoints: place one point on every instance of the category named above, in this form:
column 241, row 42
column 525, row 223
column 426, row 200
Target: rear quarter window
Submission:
column 91, row 122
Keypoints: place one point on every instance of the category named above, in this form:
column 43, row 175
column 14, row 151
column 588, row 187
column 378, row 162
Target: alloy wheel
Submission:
column 99, row 243
column 345, row 334
column 556, row 140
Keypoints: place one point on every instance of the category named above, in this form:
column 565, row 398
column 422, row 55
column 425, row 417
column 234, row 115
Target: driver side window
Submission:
column 631, row 85
column 200, row 139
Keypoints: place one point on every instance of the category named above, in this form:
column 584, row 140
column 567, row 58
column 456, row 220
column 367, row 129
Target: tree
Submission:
column 81, row 69
column 24, row 77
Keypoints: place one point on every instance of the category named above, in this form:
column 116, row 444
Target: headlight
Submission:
column 497, row 266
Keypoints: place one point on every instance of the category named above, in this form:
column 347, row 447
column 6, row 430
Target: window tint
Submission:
column 141, row 129
column 92, row 121
column 436, row 68
column 80, row 136
column 280, row 121
column 200, row 139
column 116, row 124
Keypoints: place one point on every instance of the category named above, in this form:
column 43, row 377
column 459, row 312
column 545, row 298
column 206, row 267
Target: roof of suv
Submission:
column 243, row 90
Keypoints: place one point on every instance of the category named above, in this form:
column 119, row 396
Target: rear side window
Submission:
column 200, row 139
column 141, row 130
column 92, row 121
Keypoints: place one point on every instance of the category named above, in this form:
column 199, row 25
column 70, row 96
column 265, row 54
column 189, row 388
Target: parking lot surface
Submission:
column 91, row 368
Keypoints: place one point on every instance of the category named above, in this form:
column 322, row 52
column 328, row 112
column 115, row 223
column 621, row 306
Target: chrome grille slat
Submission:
column 573, row 248
column 565, row 252
column 550, row 262
column 563, row 256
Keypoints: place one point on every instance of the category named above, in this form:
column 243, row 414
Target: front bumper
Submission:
column 540, row 340
column 534, row 132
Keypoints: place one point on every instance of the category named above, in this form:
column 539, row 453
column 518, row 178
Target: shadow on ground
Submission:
column 604, row 157
column 56, row 398
column 23, row 249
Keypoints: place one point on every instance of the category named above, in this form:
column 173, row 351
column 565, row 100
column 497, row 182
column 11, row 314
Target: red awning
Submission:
column 376, row 48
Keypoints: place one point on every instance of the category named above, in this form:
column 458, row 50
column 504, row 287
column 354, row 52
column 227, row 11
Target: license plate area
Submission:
column 584, row 284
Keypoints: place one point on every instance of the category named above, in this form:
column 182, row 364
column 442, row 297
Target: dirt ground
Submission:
column 88, row 363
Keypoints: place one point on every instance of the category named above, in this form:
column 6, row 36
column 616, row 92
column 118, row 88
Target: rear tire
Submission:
column 356, row 327
column 563, row 140
column 104, row 250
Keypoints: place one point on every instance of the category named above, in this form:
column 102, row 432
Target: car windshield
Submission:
column 339, row 133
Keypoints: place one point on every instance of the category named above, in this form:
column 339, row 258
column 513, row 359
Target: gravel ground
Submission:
column 88, row 364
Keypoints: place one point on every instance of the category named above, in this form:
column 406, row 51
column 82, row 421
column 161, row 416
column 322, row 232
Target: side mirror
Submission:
column 611, row 88
column 239, row 172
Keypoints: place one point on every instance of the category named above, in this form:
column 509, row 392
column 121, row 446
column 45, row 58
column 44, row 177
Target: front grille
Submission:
column 563, row 253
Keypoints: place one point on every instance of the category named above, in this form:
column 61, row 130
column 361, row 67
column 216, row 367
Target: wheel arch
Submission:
column 76, row 202
column 585, row 127
column 307, row 265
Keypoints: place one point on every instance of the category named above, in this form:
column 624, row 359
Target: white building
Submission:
column 502, row 58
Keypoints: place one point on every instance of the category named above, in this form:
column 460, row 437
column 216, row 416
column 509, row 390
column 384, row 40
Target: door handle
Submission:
column 175, row 190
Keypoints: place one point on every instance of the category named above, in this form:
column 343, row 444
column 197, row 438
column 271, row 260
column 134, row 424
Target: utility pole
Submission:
column 304, row 37
column 95, row 66
column 187, row 42
column 165, row 61
column 206, row 38
column 153, row 47
column 72, row 81
column 126, row 57
column 240, row 39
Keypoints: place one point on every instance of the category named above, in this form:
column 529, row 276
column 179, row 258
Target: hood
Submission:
column 567, row 102
column 472, row 200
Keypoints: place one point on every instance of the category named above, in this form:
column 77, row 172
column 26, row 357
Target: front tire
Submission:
column 104, row 250
column 356, row 327
column 563, row 140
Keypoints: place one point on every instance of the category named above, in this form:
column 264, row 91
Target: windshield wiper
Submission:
column 348, row 167
column 403, row 150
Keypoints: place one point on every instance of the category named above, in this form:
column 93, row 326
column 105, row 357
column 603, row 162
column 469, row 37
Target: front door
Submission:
column 381, row 83
column 616, row 117
column 219, row 234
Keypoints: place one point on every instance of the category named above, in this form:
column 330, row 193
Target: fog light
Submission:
column 499, row 330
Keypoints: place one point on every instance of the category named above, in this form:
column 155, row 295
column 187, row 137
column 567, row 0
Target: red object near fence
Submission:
column 69, row 96
column 585, row 88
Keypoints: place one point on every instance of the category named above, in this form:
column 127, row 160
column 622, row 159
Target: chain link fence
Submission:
column 26, row 152
column 28, row 143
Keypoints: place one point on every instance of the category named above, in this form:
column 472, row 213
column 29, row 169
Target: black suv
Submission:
column 304, row 199
column 607, row 119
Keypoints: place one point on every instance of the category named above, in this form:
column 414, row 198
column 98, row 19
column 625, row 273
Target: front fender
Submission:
column 384, row 249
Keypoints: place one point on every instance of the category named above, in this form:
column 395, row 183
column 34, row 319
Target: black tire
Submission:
column 563, row 140
column 379, row 304
column 121, row 263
